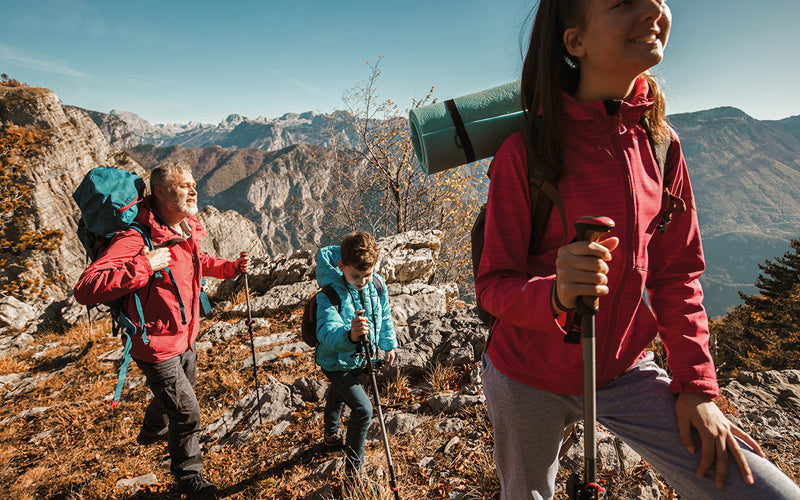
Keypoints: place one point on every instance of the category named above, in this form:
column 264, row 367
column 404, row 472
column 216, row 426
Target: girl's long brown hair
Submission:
column 548, row 70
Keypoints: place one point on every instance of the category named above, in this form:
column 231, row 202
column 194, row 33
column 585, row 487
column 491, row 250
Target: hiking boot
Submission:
column 197, row 487
column 146, row 438
column 333, row 440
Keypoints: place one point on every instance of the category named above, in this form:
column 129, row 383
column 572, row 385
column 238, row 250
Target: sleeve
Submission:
column 218, row 268
column 387, row 339
column 333, row 331
column 673, row 282
column 502, row 285
column 120, row 270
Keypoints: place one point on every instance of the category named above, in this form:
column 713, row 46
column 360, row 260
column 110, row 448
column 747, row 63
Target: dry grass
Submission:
column 80, row 447
column 440, row 377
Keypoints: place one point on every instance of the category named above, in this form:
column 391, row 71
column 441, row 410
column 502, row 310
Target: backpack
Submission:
column 542, row 180
column 308, row 326
column 109, row 202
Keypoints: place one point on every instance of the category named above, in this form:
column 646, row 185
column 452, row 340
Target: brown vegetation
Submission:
column 11, row 82
column 79, row 447
column 18, row 241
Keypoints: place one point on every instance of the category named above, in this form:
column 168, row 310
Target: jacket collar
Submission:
column 160, row 232
column 628, row 115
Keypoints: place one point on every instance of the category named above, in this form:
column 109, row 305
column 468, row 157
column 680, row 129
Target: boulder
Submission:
column 14, row 313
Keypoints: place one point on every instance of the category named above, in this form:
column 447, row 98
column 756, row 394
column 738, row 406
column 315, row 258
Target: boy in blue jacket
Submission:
column 349, row 270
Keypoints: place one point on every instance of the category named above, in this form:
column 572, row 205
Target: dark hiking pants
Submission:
column 174, row 407
column 346, row 389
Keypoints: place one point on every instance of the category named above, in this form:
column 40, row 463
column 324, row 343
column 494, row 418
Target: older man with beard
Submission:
column 171, row 313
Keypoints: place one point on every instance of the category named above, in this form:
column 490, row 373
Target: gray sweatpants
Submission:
column 638, row 408
column 174, row 407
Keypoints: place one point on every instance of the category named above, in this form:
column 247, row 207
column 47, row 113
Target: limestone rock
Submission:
column 409, row 257
column 279, row 298
column 15, row 313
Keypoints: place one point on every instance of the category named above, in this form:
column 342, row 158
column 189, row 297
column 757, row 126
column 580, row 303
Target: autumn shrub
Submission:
column 379, row 185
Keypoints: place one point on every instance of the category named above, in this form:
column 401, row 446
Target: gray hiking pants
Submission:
column 638, row 408
column 174, row 408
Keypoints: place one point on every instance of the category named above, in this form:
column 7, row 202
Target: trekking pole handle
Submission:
column 243, row 255
column 360, row 314
column 247, row 294
column 591, row 228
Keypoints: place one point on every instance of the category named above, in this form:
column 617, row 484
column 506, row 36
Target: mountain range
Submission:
column 239, row 132
column 745, row 174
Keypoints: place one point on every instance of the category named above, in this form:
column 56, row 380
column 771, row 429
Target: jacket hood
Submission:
column 328, row 272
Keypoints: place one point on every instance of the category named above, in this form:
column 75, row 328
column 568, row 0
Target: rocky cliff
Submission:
column 284, row 192
column 71, row 145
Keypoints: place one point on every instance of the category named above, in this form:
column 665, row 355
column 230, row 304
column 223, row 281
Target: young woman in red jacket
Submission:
column 585, row 82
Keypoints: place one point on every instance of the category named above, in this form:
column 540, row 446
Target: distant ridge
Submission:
column 237, row 131
column 745, row 174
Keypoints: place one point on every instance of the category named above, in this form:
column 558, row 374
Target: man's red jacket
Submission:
column 123, row 269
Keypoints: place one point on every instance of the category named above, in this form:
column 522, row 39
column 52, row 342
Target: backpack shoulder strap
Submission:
column 669, row 203
column 333, row 297
column 378, row 285
column 541, row 180
column 660, row 149
column 144, row 231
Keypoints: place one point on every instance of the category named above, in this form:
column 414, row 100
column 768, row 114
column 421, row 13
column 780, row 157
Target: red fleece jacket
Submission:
column 610, row 171
column 123, row 269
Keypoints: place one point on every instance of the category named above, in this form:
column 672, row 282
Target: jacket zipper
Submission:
column 630, row 258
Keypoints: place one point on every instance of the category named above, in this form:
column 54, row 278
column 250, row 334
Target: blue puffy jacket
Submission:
column 335, row 350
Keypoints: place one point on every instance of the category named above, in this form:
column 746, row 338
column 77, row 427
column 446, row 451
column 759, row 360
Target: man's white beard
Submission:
column 189, row 209
column 184, row 207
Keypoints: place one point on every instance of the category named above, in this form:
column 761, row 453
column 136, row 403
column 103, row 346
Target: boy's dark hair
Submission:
column 360, row 250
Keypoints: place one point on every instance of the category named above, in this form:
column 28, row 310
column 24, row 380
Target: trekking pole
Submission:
column 371, row 372
column 589, row 229
column 252, row 345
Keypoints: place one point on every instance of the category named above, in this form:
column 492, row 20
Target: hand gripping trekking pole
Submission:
column 588, row 229
column 252, row 345
column 367, row 345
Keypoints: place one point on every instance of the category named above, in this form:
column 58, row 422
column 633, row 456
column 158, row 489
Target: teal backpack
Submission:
column 109, row 202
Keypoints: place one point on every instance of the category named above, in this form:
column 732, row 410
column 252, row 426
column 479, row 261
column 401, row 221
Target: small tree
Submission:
column 764, row 332
column 11, row 82
column 17, row 242
column 380, row 186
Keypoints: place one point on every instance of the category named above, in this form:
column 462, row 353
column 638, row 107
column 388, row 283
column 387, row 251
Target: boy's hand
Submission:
column 359, row 327
column 389, row 357
column 159, row 258
column 716, row 434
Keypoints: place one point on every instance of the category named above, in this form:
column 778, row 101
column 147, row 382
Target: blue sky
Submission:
column 177, row 60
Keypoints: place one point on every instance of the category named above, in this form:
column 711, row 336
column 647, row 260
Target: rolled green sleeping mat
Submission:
column 465, row 129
